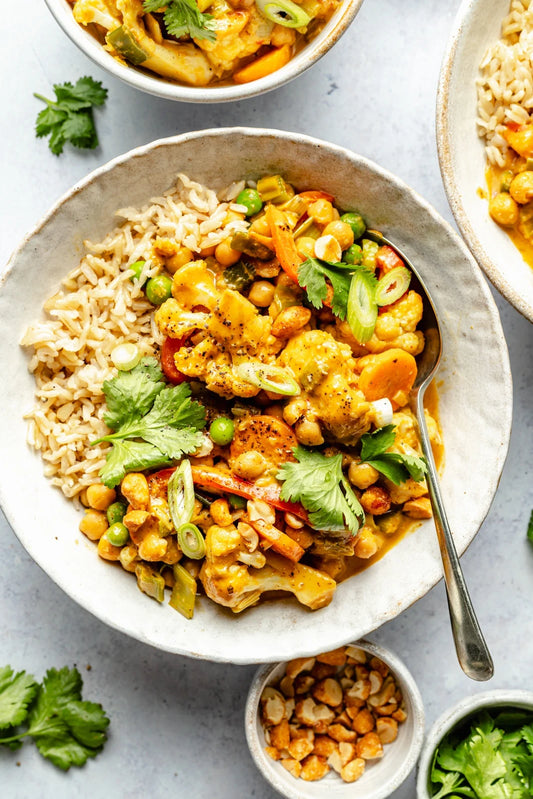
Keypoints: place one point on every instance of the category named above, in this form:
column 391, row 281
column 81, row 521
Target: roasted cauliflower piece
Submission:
column 235, row 585
column 326, row 372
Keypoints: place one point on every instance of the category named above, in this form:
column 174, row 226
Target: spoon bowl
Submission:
column 472, row 651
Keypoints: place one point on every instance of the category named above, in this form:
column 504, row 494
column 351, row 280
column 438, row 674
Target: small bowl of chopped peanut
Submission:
column 349, row 721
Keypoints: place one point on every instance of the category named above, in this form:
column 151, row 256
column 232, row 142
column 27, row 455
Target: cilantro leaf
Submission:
column 17, row 691
column 130, row 395
column 318, row 483
column 130, row 456
column 530, row 528
column 65, row 729
column 396, row 466
column 184, row 18
column 70, row 118
column 312, row 276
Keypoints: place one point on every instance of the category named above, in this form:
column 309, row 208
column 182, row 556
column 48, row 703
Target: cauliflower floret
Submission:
column 229, row 582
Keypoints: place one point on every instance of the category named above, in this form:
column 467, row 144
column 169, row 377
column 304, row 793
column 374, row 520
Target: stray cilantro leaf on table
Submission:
column 318, row 483
column 396, row 466
column 530, row 527
column 65, row 729
column 184, row 18
column 142, row 406
column 69, row 118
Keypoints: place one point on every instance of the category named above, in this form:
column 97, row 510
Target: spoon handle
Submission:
column 472, row 651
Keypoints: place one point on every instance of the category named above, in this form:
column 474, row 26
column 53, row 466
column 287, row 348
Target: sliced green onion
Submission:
column 362, row 307
column 284, row 12
column 126, row 356
column 150, row 582
column 392, row 285
column 191, row 541
column 183, row 594
column 180, row 495
column 268, row 377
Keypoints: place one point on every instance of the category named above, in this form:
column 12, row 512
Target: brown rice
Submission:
column 505, row 85
column 99, row 306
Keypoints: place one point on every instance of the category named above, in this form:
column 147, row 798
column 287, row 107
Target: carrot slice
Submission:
column 264, row 65
column 314, row 195
column 283, row 241
column 280, row 542
column 390, row 374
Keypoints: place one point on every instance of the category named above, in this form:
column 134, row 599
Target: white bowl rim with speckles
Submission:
column 151, row 83
column 379, row 779
column 475, row 431
column 461, row 152
column 468, row 706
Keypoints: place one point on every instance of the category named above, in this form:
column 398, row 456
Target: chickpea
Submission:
column 274, row 410
column 321, row 211
column 107, row 551
column 308, row 433
column 233, row 216
column 305, row 246
column 367, row 543
column 294, row 410
column 134, row 488
column 260, row 225
column 261, row 293
column 521, row 188
column 503, row 209
column 376, row 501
column 94, row 524
column 340, row 231
column 220, row 513
column 225, row 255
column 206, row 252
column 362, row 475
column 100, row 497
column 180, row 258
column 249, row 465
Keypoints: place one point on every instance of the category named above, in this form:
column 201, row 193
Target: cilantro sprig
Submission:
column 398, row 467
column 317, row 481
column 66, row 730
column 314, row 274
column 142, row 406
column 184, row 18
column 69, row 118
column 492, row 758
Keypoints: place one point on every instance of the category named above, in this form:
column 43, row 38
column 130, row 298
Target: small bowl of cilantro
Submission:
column 482, row 748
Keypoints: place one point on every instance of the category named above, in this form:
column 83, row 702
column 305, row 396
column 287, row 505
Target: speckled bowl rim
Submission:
column 463, row 708
column 448, row 174
column 276, row 651
column 302, row 61
column 270, row 771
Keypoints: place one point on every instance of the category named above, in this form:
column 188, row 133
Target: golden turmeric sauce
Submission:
column 493, row 177
column 355, row 565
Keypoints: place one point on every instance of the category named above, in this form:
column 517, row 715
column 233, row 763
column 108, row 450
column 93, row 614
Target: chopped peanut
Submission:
column 272, row 705
column 300, row 748
column 369, row 747
column 337, row 657
column 328, row 691
column 387, row 729
column 272, row 752
column 346, row 752
column 324, row 745
column 314, row 768
column 340, row 733
column 353, row 770
column 280, row 735
column 364, row 721
column 296, row 666
column 294, row 767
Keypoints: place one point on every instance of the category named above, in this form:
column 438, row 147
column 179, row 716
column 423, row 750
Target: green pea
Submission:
column 356, row 222
column 116, row 512
column 222, row 430
column 118, row 534
column 353, row 255
column 236, row 502
column 159, row 289
column 137, row 268
column 251, row 199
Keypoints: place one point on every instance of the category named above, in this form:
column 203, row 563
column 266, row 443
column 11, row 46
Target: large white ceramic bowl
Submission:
column 154, row 84
column 380, row 778
column 459, row 714
column 474, row 380
column 461, row 152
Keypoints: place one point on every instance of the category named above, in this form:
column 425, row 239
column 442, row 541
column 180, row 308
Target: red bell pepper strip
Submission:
column 170, row 346
column 387, row 259
column 224, row 483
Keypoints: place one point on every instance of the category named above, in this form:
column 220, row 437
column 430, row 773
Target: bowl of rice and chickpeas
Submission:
column 221, row 397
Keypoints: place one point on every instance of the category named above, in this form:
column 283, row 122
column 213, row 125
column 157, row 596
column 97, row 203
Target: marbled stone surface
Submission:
column 177, row 724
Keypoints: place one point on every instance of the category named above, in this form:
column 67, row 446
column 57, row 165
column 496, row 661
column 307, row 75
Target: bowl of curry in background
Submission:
column 239, row 50
column 474, row 430
column 484, row 97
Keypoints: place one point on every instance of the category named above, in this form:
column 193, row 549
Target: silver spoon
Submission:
column 472, row 651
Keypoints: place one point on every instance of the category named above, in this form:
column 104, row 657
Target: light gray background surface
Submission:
column 177, row 724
